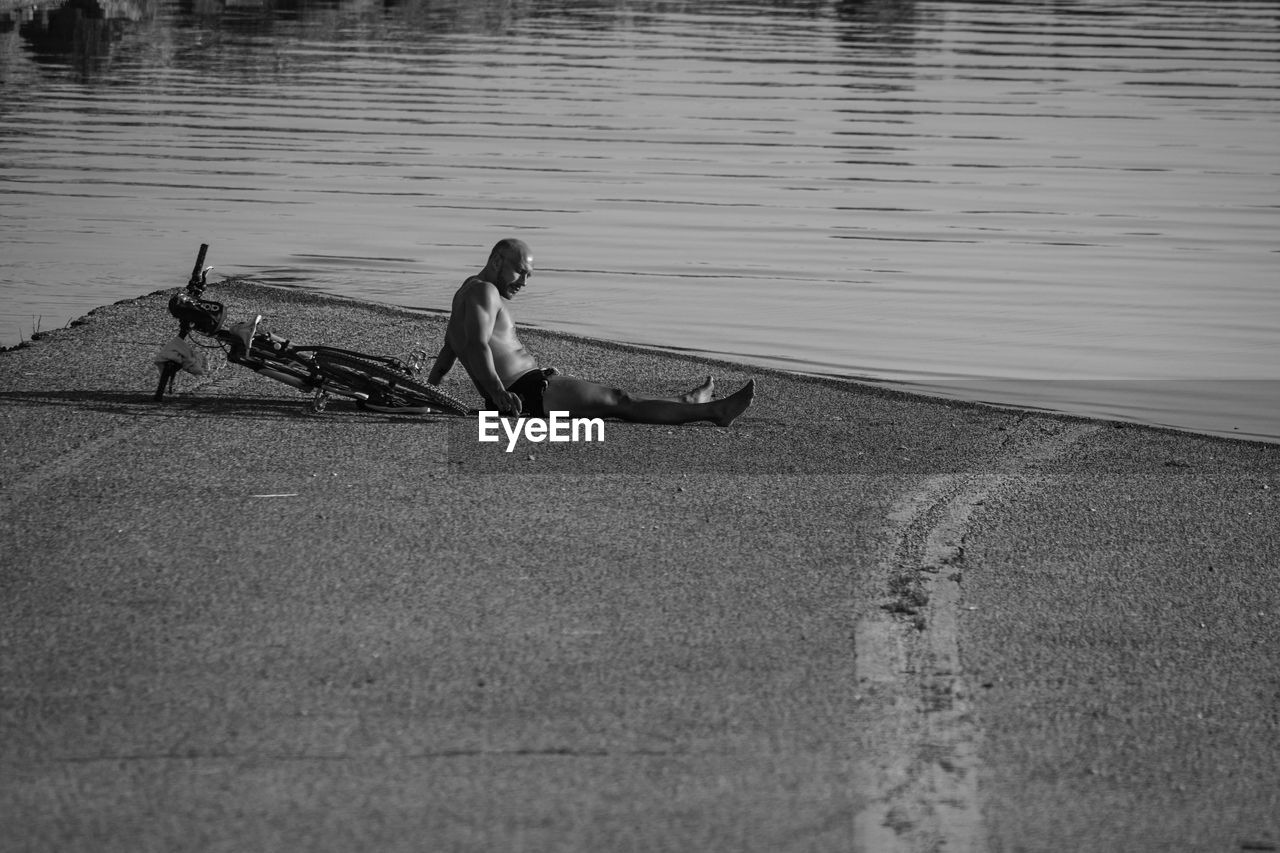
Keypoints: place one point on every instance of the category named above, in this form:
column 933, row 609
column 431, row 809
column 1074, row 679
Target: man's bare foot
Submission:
column 702, row 394
column 728, row 408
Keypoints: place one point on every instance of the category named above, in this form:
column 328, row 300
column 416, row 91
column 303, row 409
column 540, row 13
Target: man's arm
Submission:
column 444, row 363
column 480, row 305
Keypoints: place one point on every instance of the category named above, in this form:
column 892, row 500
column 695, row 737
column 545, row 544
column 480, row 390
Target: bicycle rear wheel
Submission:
column 384, row 388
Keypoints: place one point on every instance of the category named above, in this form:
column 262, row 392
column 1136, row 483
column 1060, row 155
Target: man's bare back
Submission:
column 482, row 335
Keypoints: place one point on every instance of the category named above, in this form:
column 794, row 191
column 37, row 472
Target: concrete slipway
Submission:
column 855, row 620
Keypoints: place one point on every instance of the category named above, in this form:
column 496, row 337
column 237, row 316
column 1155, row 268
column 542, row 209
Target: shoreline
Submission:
column 934, row 391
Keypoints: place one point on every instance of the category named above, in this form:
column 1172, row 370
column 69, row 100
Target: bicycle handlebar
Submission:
column 195, row 281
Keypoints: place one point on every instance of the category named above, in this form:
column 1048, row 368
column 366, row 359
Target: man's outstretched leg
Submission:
column 701, row 394
column 585, row 399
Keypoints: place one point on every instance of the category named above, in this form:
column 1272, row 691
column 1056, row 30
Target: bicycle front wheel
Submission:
column 381, row 387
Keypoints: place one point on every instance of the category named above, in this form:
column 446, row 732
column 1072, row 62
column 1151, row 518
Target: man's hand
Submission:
column 508, row 404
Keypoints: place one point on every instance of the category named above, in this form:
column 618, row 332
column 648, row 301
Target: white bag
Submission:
column 180, row 352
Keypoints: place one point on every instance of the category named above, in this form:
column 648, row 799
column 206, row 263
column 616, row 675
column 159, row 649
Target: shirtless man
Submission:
column 482, row 334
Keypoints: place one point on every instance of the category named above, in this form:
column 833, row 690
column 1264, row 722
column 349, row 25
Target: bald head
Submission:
column 509, row 267
column 510, row 249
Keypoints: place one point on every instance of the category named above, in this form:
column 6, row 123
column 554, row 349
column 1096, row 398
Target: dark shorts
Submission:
column 530, row 387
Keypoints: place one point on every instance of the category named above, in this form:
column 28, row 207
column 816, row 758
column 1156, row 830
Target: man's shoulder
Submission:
column 477, row 289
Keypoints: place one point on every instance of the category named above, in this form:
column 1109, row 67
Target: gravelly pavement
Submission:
column 425, row 643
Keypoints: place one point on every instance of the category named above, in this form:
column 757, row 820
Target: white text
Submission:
column 557, row 427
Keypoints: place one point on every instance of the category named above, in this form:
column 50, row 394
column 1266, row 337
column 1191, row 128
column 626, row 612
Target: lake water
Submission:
column 1071, row 204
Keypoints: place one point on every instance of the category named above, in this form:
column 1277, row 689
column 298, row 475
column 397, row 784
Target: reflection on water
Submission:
column 76, row 32
column 931, row 192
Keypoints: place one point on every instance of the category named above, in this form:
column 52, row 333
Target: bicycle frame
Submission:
column 381, row 383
